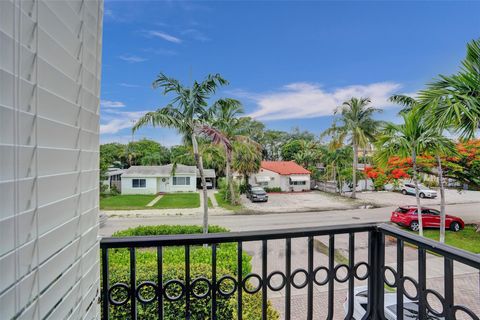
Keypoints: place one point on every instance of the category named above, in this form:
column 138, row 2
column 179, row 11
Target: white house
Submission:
column 113, row 178
column 286, row 175
column 155, row 179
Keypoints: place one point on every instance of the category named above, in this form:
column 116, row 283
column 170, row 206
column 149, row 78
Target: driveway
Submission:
column 300, row 202
column 386, row 198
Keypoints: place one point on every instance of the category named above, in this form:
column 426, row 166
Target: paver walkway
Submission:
column 466, row 284
column 211, row 195
column 152, row 203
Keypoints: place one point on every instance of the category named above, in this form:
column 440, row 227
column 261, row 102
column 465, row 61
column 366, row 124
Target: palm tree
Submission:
column 224, row 117
column 187, row 113
column 454, row 101
column 442, row 147
column 356, row 126
column 410, row 139
column 247, row 159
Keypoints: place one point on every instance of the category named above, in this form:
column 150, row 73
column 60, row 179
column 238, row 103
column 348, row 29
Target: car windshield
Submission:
column 258, row 190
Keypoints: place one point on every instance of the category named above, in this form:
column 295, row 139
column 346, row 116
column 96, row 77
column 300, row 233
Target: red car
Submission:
column 407, row 217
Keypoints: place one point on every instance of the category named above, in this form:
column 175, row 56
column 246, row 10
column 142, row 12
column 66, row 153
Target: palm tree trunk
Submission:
column 228, row 170
column 364, row 166
column 335, row 178
column 354, row 174
column 442, row 200
column 417, row 196
column 199, row 161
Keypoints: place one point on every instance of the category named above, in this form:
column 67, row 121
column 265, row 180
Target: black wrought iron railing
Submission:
column 413, row 295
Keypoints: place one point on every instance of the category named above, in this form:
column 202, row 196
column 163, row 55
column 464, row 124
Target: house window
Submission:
column 298, row 183
column 139, row 183
column 181, row 181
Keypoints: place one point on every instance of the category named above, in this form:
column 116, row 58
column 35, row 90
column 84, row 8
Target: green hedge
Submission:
column 273, row 189
column 166, row 230
column 174, row 268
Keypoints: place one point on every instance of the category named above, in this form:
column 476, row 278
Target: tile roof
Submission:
column 284, row 167
column 165, row 171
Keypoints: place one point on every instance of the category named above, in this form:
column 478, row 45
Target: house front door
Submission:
column 162, row 184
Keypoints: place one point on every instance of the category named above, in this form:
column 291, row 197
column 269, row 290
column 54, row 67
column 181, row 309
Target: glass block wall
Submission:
column 50, row 67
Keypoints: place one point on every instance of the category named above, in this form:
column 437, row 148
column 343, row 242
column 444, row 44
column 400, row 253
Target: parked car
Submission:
column 423, row 191
column 360, row 303
column 256, row 194
column 406, row 216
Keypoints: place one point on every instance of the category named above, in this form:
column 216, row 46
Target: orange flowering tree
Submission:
column 463, row 167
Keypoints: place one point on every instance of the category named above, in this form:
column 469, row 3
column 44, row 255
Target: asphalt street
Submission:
column 469, row 212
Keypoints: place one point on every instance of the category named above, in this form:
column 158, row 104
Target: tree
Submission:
column 454, row 101
column 224, row 116
column 356, row 125
column 187, row 113
column 148, row 152
column 290, row 149
column 272, row 142
column 412, row 138
column 113, row 154
column 247, row 159
column 442, row 147
column 337, row 157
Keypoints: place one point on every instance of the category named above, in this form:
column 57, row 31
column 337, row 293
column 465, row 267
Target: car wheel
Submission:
column 422, row 195
column 455, row 226
column 414, row 226
column 404, row 192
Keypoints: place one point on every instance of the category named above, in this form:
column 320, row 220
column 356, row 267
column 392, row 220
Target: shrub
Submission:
column 114, row 191
column 174, row 268
column 166, row 230
column 273, row 189
column 224, row 191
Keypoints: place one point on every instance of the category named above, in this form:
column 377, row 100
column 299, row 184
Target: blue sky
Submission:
column 290, row 63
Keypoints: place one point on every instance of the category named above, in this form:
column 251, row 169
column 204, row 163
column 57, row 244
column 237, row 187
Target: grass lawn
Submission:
column 126, row 202
column 224, row 204
column 466, row 239
column 178, row 201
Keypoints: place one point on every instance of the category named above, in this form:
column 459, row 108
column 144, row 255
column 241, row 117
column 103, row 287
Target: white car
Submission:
column 360, row 303
column 423, row 192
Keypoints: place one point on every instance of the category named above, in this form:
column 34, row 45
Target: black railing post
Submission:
column 400, row 289
column 331, row 275
column 310, row 280
column 160, row 282
column 264, row 280
column 239, row 280
column 375, row 281
column 288, row 272
column 422, row 283
column 105, row 311
column 133, row 286
column 449, row 288
column 351, row 276
column 214, row 281
column 187, row 282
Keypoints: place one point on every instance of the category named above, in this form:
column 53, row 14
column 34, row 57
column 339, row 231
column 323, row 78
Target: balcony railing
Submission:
column 376, row 273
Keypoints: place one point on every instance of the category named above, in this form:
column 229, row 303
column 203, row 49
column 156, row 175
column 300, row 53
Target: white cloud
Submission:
column 309, row 100
column 164, row 36
column 131, row 58
column 114, row 120
column 111, row 104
